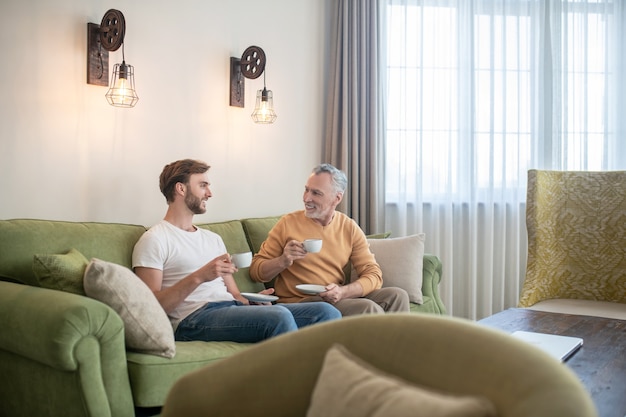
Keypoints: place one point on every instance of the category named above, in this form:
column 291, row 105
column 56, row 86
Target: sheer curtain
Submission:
column 478, row 92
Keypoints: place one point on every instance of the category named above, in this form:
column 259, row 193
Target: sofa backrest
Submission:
column 257, row 229
column 21, row 239
column 243, row 236
column 235, row 240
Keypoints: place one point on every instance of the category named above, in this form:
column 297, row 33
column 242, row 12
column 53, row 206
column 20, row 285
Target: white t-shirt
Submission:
column 178, row 253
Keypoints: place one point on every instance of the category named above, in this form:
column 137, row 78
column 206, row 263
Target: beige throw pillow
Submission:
column 146, row 326
column 401, row 260
column 349, row 387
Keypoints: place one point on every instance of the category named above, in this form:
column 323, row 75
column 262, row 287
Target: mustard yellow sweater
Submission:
column 343, row 241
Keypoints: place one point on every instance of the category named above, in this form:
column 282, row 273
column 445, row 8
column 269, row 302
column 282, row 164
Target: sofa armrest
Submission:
column 63, row 348
column 431, row 277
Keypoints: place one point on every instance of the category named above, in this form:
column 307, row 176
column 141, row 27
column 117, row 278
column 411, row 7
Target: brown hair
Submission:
column 179, row 171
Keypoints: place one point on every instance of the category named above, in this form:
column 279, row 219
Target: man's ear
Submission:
column 180, row 188
column 339, row 198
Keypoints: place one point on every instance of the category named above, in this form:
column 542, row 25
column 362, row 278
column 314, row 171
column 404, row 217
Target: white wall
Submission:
column 66, row 154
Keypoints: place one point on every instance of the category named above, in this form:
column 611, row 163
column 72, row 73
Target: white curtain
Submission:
column 478, row 92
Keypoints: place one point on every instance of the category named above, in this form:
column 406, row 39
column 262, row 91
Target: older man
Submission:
column 283, row 256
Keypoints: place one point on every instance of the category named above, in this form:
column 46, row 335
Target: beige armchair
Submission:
column 576, row 223
column 450, row 355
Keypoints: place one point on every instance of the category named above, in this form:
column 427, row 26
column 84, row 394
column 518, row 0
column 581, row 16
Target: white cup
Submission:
column 241, row 260
column 312, row 245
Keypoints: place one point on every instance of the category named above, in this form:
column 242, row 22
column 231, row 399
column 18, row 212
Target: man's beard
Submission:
column 313, row 214
column 194, row 204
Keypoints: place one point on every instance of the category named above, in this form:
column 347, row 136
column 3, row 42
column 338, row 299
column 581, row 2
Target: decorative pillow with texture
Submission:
column 62, row 272
column 401, row 260
column 146, row 326
column 349, row 387
column 576, row 236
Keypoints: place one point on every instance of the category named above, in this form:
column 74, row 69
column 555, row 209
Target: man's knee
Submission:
column 354, row 306
column 328, row 312
column 391, row 299
column 279, row 319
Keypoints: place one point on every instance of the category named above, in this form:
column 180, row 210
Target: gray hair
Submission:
column 340, row 181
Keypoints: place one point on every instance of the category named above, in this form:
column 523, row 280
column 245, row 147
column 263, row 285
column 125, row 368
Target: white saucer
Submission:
column 259, row 298
column 311, row 289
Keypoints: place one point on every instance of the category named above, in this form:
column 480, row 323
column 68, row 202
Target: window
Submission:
column 479, row 92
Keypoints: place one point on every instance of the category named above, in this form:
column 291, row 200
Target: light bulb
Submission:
column 264, row 109
column 122, row 93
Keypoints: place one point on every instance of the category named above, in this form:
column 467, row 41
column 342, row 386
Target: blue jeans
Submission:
column 236, row 322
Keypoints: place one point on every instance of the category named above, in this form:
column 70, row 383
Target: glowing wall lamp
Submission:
column 109, row 35
column 251, row 65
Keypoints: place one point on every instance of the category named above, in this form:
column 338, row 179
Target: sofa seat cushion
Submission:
column 583, row 308
column 152, row 376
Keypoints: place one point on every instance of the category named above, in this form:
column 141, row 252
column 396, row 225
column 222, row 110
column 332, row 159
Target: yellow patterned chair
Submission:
column 576, row 222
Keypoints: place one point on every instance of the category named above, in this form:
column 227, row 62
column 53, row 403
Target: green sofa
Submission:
column 64, row 354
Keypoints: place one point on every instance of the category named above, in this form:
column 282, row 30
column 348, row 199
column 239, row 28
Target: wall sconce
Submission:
column 109, row 35
column 251, row 65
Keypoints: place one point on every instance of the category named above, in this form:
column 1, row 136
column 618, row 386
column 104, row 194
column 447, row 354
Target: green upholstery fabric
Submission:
column 384, row 235
column 257, row 230
column 65, row 354
column 432, row 302
column 232, row 234
column 20, row 239
column 61, row 354
column 63, row 272
column 445, row 354
column 152, row 376
column 576, row 236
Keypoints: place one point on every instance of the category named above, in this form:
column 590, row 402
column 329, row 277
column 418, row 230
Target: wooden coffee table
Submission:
column 600, row 363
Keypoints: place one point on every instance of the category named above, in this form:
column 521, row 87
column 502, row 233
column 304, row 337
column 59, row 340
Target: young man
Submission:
column 283, row 256
column 190, row 271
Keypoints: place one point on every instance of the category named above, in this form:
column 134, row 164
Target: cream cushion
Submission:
column 349, row 387
column 401, row 260
column 582, row 307
column 146, row 326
